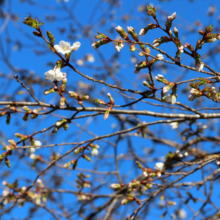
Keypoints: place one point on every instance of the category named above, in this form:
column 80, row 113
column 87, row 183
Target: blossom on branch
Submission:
column 160, row 166
column 64, row 47
column 160, row 57
column 199, row 66
column 54, row 75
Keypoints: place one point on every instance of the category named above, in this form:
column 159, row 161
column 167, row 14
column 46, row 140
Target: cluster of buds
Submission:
column 148, row 83
column 139, row 66
column 194, row 93
column 29, row 111
column 145, row 52
column 84, row 156
column 212, row 93
column 61, row 123
column 32, row 23
column 82, row 182
column 133, row 34
column 110, row 104
column 80, row 150
column 21, row 136
column 150, row 26
column 160, row 78
column 83, row 197
column 36, row 144
column 189, row 47
column 8, row 118
column 116, row 186
column 169, row 85
column 72, row 162
column 180, row 155
column 158, row 41
column 97, row 44
column 78, row 98
column 151, row 11
column 119, row 45
column 170, row 98
column 122, row 33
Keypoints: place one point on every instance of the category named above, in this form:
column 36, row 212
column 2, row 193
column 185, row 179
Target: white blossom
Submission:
column 75, row 46
column 178, row 154
column 119, row 46
column 199, row 66
column 37, row 144
column 214, row 94
column 186, row 154
column 32, row 156
column 181, row 50
column 145, row 173
column 141, row 54
column 170, row 99
column 54, row 74
column 4, row 183
column 159, row 166
column 64, row 47
column 181, row 213
column 174, row 125
column 218, row 162
column 159, row 57
column 95, row 151
column 80, row 62
column 166, row 89
column 31, row 150
column 5, row 192
column 90, row 58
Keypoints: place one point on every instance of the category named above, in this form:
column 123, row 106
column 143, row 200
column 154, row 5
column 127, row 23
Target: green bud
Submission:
column 74, row 95
column 7, row 162
column 99, row 101
column 25, row 118
column 48, row 91
column 86, row 157
column 62, row 101
column 31, row 22
column 51, row 37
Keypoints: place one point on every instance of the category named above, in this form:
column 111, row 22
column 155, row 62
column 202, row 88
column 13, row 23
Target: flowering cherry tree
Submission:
column 104, row 143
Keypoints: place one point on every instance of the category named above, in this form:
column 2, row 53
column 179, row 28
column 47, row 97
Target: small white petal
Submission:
column 75, row 46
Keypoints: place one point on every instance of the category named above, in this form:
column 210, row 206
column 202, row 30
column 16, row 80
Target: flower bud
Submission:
column 132, row 48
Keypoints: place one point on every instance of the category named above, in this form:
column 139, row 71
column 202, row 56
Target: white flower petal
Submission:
column 75, row 46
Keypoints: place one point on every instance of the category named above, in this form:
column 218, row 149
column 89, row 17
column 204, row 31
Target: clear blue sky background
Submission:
column 187, row 13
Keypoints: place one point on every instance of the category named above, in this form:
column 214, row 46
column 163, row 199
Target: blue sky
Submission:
column 26, row 51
